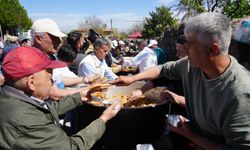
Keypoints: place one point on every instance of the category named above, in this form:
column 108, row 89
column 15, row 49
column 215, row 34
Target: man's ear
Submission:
column 31, row 82
column 214, row 49
column 38, row 39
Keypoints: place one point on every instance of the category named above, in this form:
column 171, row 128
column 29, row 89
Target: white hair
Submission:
column 211, row 27
column 34, row 34
column 100, row 42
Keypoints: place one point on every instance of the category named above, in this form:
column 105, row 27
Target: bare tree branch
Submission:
column 208, row 5
column 215, row 5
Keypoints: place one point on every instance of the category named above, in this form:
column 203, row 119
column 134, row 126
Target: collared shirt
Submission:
column 147, row 58
column 91, row 65
column 16, row 93
column 40, row 102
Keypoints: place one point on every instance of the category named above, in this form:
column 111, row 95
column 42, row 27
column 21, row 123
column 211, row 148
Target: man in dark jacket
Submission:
column 29, row 120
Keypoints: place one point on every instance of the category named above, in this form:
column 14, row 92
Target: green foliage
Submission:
column 13, row 16
column 231, row 8
column 157, row 22
column 237, row 8
column 193, row 6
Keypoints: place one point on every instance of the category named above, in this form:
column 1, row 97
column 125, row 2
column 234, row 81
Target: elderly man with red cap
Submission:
column 29, row 119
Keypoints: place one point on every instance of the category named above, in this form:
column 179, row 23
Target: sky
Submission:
column 68, row 14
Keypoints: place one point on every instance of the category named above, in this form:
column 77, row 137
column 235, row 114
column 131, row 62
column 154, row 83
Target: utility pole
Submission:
column 111, row 27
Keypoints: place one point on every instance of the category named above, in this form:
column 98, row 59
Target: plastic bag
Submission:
column 243, row 31
column 144, row 147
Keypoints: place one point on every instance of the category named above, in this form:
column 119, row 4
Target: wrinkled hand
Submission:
column 110, row 112
column 135, row 95
column 85, row 94
column 171, row 97
column 167, row 96
column 93, row 78
column 184, row 129
column 87, row 79
column 123, row 80
column 121, row 61
column 98, row 87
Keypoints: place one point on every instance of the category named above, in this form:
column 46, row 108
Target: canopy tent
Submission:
column 135, row 35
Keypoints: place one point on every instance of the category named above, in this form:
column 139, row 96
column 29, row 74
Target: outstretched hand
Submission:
column 98, row 87
column 135, row 95
column 123, row 80
column 92, row 78
column 110, row 112
column 84, row 94
column 172, row 97
column 167, row 96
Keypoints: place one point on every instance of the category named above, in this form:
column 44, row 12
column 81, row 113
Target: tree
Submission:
column 157, row 22
column 94, row 23
column 136, row 27
column 231, row 8
column 13, row 17
column 237, row 8
column 190, row 7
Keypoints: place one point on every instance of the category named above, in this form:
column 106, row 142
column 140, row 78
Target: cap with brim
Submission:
column 121, row 43
column 58, row 34
column 152, row 42
column 12, row 38
column 47, row 25
column 114, row 44
column 24, row 61
column 24, row 37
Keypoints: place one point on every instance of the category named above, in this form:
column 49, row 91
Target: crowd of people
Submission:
column 216, row 88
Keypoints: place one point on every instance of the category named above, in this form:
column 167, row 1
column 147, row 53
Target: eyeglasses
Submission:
column 52, row 81
column 187, row 43
column 54, row 39
column 105, row 50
